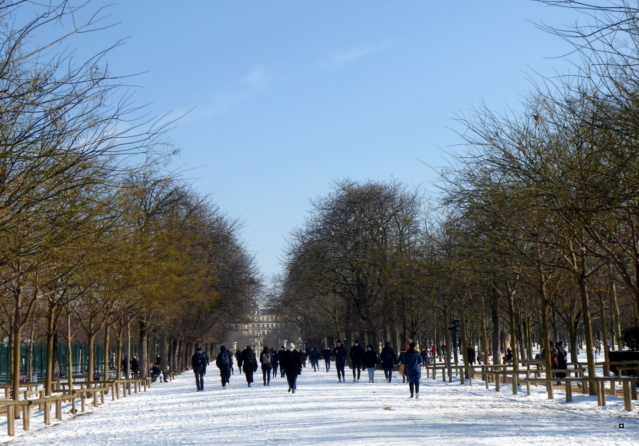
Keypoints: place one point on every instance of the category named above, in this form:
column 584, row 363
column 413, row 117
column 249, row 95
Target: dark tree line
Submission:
column 95, row 238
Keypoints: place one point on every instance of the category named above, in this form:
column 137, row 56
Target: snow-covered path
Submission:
column 328, row 413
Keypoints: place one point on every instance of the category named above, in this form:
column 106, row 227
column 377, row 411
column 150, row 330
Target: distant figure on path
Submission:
column 292, row 366
column 199, row 361
column 238, row 357
column 280, row 356
column 267, row 365
column 135, row 367
column 275, row 362
column 389, row 359
column 598, row 346
column 326, row 353
column 315, row 356
column 400, row 359
column 357, row 360
column 413, row 360
column 249, row 364
column 370, row 362
column 470, row 351
column 224, row 362
column 339, row 352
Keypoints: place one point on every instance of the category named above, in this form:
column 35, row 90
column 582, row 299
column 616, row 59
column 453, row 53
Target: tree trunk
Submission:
column 119, row 356
column 69, row 351
column 496, row 326
column 51, row 341
column 91, row 353
column 585, row 302
column 105, row 353
column 617, row 318
column 143, row 349
column 16, row 359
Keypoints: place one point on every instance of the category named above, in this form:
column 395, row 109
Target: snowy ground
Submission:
column 326, row 412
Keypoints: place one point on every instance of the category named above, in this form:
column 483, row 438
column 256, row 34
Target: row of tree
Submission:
column 92, row 232
column 538, row 222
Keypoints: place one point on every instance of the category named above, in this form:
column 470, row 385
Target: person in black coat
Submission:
column 339, row 352
column 470, row 352
column 291, row 364
column 135, row 367
column 314, row 356
column 370, row 362
column 389, row 359
column 199, row 361
column 280, row 356
column 249, row 364
column 275, row 362
column 326, row 353
column 224, row 362
column 266, row 362
column 238, row 358
column 357, row 360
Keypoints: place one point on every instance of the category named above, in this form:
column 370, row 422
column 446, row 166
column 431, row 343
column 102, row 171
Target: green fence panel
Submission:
column 5, row 362
column 36, row 355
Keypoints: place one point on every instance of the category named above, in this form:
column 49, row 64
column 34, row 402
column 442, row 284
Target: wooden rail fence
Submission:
column 80, row 391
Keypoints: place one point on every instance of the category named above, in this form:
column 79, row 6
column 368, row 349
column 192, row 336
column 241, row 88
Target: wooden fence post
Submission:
column 47, row 412
column 627, row 401
column 25, row 416
column 11, row 431
column 568, row 391
column 58, row 409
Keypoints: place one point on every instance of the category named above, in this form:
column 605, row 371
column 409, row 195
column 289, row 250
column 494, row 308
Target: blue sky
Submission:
column 287, row 97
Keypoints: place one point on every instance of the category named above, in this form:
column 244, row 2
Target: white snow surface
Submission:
column 325, row 412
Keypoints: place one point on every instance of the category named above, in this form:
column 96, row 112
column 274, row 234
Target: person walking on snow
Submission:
column 280, row 356
column 413, row 361
column 249, row 364
column 199, row 361
column 326, row 353
column 267, row 365
column 224, row 362
column 389, row 359
column 339, row 352
column 291, row 364
column 357, row 360
column 370, row 362
column 238, row 358
column 275, row 361
column 314, row 356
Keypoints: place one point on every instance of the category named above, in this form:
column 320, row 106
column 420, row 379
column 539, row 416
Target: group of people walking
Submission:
column 290, row 362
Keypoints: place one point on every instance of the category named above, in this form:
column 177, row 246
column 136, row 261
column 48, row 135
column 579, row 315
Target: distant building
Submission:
column 264, row 327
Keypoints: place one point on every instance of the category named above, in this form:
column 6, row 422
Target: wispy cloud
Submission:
column 219, row 105
column 341, row 59
column 258, row 78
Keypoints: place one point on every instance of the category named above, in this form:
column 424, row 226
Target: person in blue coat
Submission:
column 413, row 362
